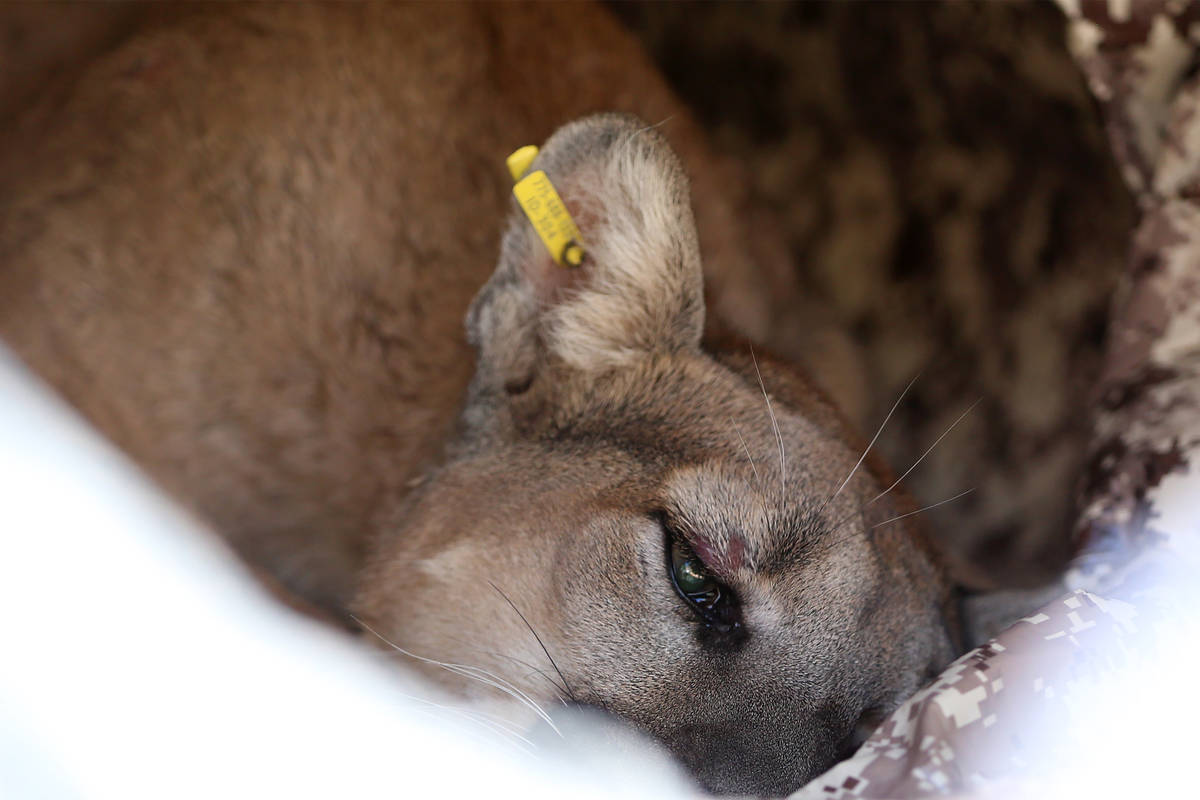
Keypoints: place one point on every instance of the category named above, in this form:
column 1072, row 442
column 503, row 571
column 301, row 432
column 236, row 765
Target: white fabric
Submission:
column 138, row 660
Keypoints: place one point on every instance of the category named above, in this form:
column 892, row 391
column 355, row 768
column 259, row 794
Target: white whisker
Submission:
column 508, row 730
column 487, row 679
column 475, row 673
column 481, row 675
column 927, row 452
column 537, row 638
column 533, row 669
column 492, row 722
column 746, row 447
column 861, row 458
column 536, row 671
column 926, row 508
column 774, row 425
column 658, row 124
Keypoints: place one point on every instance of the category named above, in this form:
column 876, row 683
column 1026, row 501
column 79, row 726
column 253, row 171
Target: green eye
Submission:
column 691, row 576
column 713, row 602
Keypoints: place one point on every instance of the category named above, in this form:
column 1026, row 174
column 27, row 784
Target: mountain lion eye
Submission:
column 693, row 580
column 691, row 576
column 712, row 601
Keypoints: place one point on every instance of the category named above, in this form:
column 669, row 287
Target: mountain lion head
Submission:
column 678, row 534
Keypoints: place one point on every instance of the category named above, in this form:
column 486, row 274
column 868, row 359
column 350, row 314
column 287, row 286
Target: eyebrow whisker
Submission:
column 953, row 425
column 746, row 447
column 774, row 425
column 861, row 458
column 926, row 508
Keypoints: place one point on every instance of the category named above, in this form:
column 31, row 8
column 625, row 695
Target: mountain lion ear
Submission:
column 638, row 289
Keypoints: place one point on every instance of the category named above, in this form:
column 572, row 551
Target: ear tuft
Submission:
column 639, row 289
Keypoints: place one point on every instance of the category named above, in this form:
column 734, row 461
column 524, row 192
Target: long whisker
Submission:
column 774, row 425
column 658, row 124
column 511, row 737
column 907, row 472
column 861, row 458
column 475, row 673
column 507, row 730
column 440, row 714
column 496, row 719
column 927, row 452
column 537, row 671
column 561, row 677
column 541, row 673
column 832, row 543
column 495, row 722
column 533, row 669
column 926, row 508
column 746, row 447
column 487, row 679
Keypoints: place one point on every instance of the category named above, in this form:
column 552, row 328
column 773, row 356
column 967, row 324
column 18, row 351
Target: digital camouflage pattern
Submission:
column 1138, row 59
column 980, row 721
column 1002, row 719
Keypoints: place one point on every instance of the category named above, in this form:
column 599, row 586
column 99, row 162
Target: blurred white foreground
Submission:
column 138, row 659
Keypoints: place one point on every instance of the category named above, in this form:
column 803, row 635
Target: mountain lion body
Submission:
column 243, row 244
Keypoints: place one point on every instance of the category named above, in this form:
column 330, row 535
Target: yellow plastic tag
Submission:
column 545, row 209
column 520, row 161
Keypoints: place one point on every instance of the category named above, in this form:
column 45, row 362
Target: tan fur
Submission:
column 243, row 246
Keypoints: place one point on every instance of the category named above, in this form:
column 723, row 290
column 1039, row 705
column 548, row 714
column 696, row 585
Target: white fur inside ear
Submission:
column 642, row 291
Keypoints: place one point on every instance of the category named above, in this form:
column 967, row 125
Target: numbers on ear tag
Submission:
column 549, row 216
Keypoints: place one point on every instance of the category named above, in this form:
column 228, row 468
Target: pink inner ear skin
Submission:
column 550, row 280
column 722, row 560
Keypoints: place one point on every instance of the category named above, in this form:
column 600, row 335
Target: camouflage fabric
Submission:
column 979, row 722
column 1016, row 715
column 1137, row 58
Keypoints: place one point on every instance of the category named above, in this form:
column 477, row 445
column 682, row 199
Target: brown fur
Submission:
column 245, row 137
column 243, row 245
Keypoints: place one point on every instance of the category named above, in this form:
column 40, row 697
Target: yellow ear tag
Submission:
column 545, row 209
column 520, row 161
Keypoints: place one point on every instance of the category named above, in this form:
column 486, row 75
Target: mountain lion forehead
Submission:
column 687, row 408
column 735, row 525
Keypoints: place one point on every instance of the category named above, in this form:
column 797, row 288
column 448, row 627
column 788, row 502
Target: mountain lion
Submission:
column 243, row 244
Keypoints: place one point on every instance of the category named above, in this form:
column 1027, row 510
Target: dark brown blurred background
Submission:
column 944, row 186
